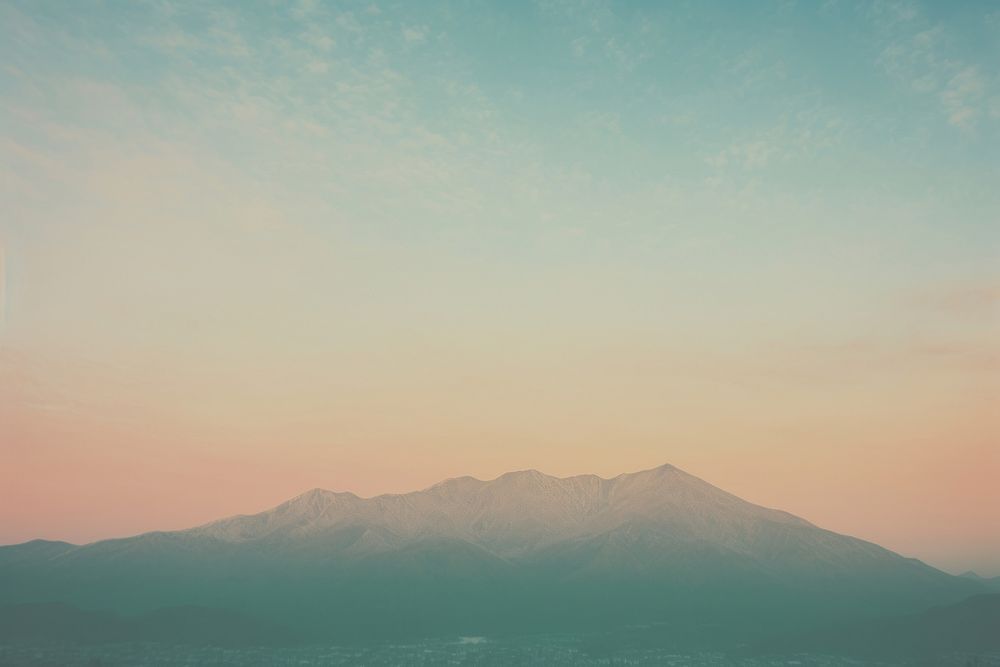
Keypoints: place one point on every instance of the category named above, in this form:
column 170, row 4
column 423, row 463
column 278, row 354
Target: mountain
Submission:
column 658, row 549
column 993, row 583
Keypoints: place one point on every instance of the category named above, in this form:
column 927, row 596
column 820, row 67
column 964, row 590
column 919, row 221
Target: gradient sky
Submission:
column 254, row 248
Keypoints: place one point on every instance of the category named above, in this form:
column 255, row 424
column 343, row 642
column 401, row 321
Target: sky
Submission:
column 252, row 248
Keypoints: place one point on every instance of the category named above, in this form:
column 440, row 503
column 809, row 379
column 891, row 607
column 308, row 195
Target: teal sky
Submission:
column 789, row 140
column 370, row 245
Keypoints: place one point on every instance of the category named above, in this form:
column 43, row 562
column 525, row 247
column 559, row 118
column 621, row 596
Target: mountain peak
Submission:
column 312, row 494
column 455, row 484
column 512, row 514
column 529, row 475
column 666, row 468
column 314, row 499
column 315, row 502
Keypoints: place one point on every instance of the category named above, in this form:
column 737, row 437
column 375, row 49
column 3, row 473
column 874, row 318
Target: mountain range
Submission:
column 658, row 552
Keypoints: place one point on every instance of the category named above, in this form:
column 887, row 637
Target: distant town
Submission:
column 540, row 651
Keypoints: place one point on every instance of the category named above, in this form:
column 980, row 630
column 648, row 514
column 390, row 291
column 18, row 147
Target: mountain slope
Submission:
column 514, row 513
column 992, row 583
column 525, row 551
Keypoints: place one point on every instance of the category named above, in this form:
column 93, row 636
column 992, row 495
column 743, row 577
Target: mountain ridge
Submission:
column 581, row 496
column 522, row 551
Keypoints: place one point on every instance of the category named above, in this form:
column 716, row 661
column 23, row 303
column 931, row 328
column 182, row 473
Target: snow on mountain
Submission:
column 525, row 512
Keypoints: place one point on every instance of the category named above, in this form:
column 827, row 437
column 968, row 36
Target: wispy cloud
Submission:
column 962, row 97
column 923, row 56
column 415, row 34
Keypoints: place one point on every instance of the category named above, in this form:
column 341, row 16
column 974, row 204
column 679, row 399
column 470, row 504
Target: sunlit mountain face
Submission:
column 657, row 553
